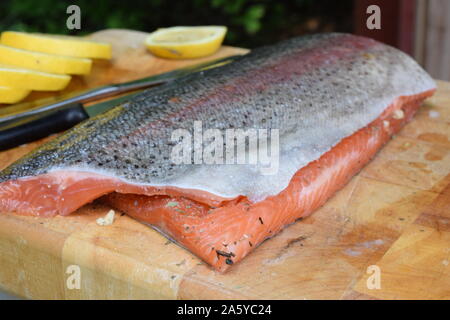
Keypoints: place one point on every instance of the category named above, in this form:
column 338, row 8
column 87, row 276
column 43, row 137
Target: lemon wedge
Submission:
column 43, row 61
column 12, row 95
column 185, row 42
column 54, row 44
column 32, row 80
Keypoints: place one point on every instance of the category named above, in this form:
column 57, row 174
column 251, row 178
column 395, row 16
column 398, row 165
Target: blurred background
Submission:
column 251, row 23
column 419, row 27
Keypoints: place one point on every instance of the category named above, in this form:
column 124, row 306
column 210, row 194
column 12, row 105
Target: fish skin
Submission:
column 312, row 88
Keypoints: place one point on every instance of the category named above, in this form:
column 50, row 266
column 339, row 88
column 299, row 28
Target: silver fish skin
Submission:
column 315, row 90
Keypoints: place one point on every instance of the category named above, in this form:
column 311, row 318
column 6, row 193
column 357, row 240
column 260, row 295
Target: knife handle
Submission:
column 42, row 127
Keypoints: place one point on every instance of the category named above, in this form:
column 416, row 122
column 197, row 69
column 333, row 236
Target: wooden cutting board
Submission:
column 395, row 215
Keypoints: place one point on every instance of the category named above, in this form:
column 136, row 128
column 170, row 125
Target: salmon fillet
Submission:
column 228, row 233
column 335, row 99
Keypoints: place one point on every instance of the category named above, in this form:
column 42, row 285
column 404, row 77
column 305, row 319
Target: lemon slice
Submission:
column 43, row 61
column 185, row 42
column 12, row 95
column 32, row 80
column 62, row 45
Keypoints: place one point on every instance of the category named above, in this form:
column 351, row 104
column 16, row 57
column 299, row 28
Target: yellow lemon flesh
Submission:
column 32, row 80
column 12, row 95
column 61, row 45
column 43, row 61
column 185, row 42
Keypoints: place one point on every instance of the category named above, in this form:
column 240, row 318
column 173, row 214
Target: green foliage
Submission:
column 250, row 22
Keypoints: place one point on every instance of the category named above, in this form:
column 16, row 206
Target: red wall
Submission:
column 397, row 22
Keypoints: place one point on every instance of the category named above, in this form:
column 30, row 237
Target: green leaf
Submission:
column 253, row 26
column 256, row 11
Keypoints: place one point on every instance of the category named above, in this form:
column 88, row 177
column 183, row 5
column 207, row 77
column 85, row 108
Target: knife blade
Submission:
column 17, row 112
column 17, row 128
column 38, row 127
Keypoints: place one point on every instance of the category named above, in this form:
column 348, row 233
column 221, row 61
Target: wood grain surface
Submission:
column 394, row 215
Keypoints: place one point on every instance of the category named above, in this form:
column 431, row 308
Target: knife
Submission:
column 17, row 128
column 14, row 113
column 34, row 128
